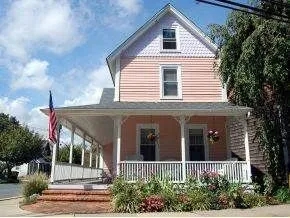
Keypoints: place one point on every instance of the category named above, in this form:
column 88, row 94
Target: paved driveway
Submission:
column 10, row 190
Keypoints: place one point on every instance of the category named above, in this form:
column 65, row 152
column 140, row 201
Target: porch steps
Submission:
column 75, row 195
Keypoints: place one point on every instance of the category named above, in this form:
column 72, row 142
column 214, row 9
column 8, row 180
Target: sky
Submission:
column 61, row 45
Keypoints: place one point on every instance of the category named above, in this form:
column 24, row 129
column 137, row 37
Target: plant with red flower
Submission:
column 153, row 203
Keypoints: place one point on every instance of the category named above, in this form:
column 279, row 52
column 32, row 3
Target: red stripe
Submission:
column 52, row 126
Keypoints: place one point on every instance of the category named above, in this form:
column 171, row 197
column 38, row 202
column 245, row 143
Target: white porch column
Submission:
column 83, row 149
column 182, row 122
column 71, row 145
column 97, row 156
column 54, row 154
column 117, row 143
column 91, row 154
column 247, row 150
column 101, row 159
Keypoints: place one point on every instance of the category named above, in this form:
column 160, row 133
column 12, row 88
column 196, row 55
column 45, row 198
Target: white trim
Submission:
column 117, row 80
column 224, row 93
column 247, row 150
column 71, row 147
column 140, row 126
column 206, row 147
column 177, row 37
column 179, row 81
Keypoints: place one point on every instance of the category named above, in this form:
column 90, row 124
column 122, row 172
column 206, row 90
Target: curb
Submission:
column 6, row 199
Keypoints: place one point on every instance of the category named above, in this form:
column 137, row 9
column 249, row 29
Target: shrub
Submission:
column 35, row 184
column 126, row 196
column 253, row 200
column 283, row 194
column 199, row 199
column 154, row 203
column 214, row 181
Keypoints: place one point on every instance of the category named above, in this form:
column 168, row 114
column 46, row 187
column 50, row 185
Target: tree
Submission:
column 18, row 144
column 254, row 62
column 64, row 154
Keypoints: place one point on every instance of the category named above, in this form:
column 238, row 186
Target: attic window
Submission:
column 169, row 39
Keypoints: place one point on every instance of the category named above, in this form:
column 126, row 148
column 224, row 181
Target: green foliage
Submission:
column 283, row 194
column 35, row 184
column 254, row 63
column 162, row 195
column 64, row 154
column 18, row 144
column 126, row 196
column 250, row 200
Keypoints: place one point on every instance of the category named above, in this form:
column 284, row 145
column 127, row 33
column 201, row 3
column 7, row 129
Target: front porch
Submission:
column 119, row 131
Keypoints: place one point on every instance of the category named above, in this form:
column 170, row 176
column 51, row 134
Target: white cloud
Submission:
column 128, row 7
column 32, row 75
column 19, row 108
column 91, row 87
column 31, row 25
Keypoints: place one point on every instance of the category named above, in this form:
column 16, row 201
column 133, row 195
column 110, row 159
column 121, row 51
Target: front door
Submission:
column 196, row 144
column 147, row 147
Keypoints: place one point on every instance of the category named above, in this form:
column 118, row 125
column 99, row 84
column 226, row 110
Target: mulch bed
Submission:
column 67, row 207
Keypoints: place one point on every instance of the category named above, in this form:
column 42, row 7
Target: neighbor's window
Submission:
column 170, row 82
column 169, row 39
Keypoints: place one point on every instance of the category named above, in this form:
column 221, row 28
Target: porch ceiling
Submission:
column 100, row 128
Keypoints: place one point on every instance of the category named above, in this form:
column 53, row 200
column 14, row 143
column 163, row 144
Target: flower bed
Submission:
column 213, row 191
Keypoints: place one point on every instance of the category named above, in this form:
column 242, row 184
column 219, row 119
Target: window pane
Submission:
column 196, row 145
column 170, row 88
column 170, row 75
column 169, row 33
column 169, row 44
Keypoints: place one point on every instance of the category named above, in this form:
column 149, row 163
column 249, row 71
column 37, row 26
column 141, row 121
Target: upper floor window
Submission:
column 169, row 39
column 171, row 82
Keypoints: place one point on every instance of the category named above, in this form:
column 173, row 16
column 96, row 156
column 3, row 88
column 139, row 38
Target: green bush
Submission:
column 35, row 184
column 199, row 199
column 126, row 196
column 211, row 192
column 283, row 194
column 253, row 200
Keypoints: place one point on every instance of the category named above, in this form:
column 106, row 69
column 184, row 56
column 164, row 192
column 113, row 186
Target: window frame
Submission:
column 179, row 81
column 176, row 37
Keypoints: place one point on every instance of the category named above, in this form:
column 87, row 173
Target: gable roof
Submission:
column 167, row 8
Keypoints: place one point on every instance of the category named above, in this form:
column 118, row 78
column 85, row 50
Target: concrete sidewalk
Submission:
column 11, row 208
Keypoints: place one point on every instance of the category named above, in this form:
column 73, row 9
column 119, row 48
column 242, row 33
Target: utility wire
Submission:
column 251, row 8
column 245, row 11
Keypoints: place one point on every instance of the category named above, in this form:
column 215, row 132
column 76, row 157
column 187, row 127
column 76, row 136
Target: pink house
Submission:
column 167, row 114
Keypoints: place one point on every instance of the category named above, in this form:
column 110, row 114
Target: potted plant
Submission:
column 213, row 136
column 152, row 136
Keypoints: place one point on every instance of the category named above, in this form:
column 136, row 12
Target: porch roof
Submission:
column 108, row 106
column 95, row 120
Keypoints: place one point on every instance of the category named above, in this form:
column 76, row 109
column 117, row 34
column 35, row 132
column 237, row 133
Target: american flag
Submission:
column 52, row 120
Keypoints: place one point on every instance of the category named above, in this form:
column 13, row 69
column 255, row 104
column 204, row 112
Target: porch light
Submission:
column 213, row 136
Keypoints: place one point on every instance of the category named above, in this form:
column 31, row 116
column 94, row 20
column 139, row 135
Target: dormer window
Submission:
column 169, row 39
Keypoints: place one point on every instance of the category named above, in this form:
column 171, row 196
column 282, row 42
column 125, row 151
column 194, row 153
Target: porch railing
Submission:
column 234, row 171
column 66, row 171
column 132, row 170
